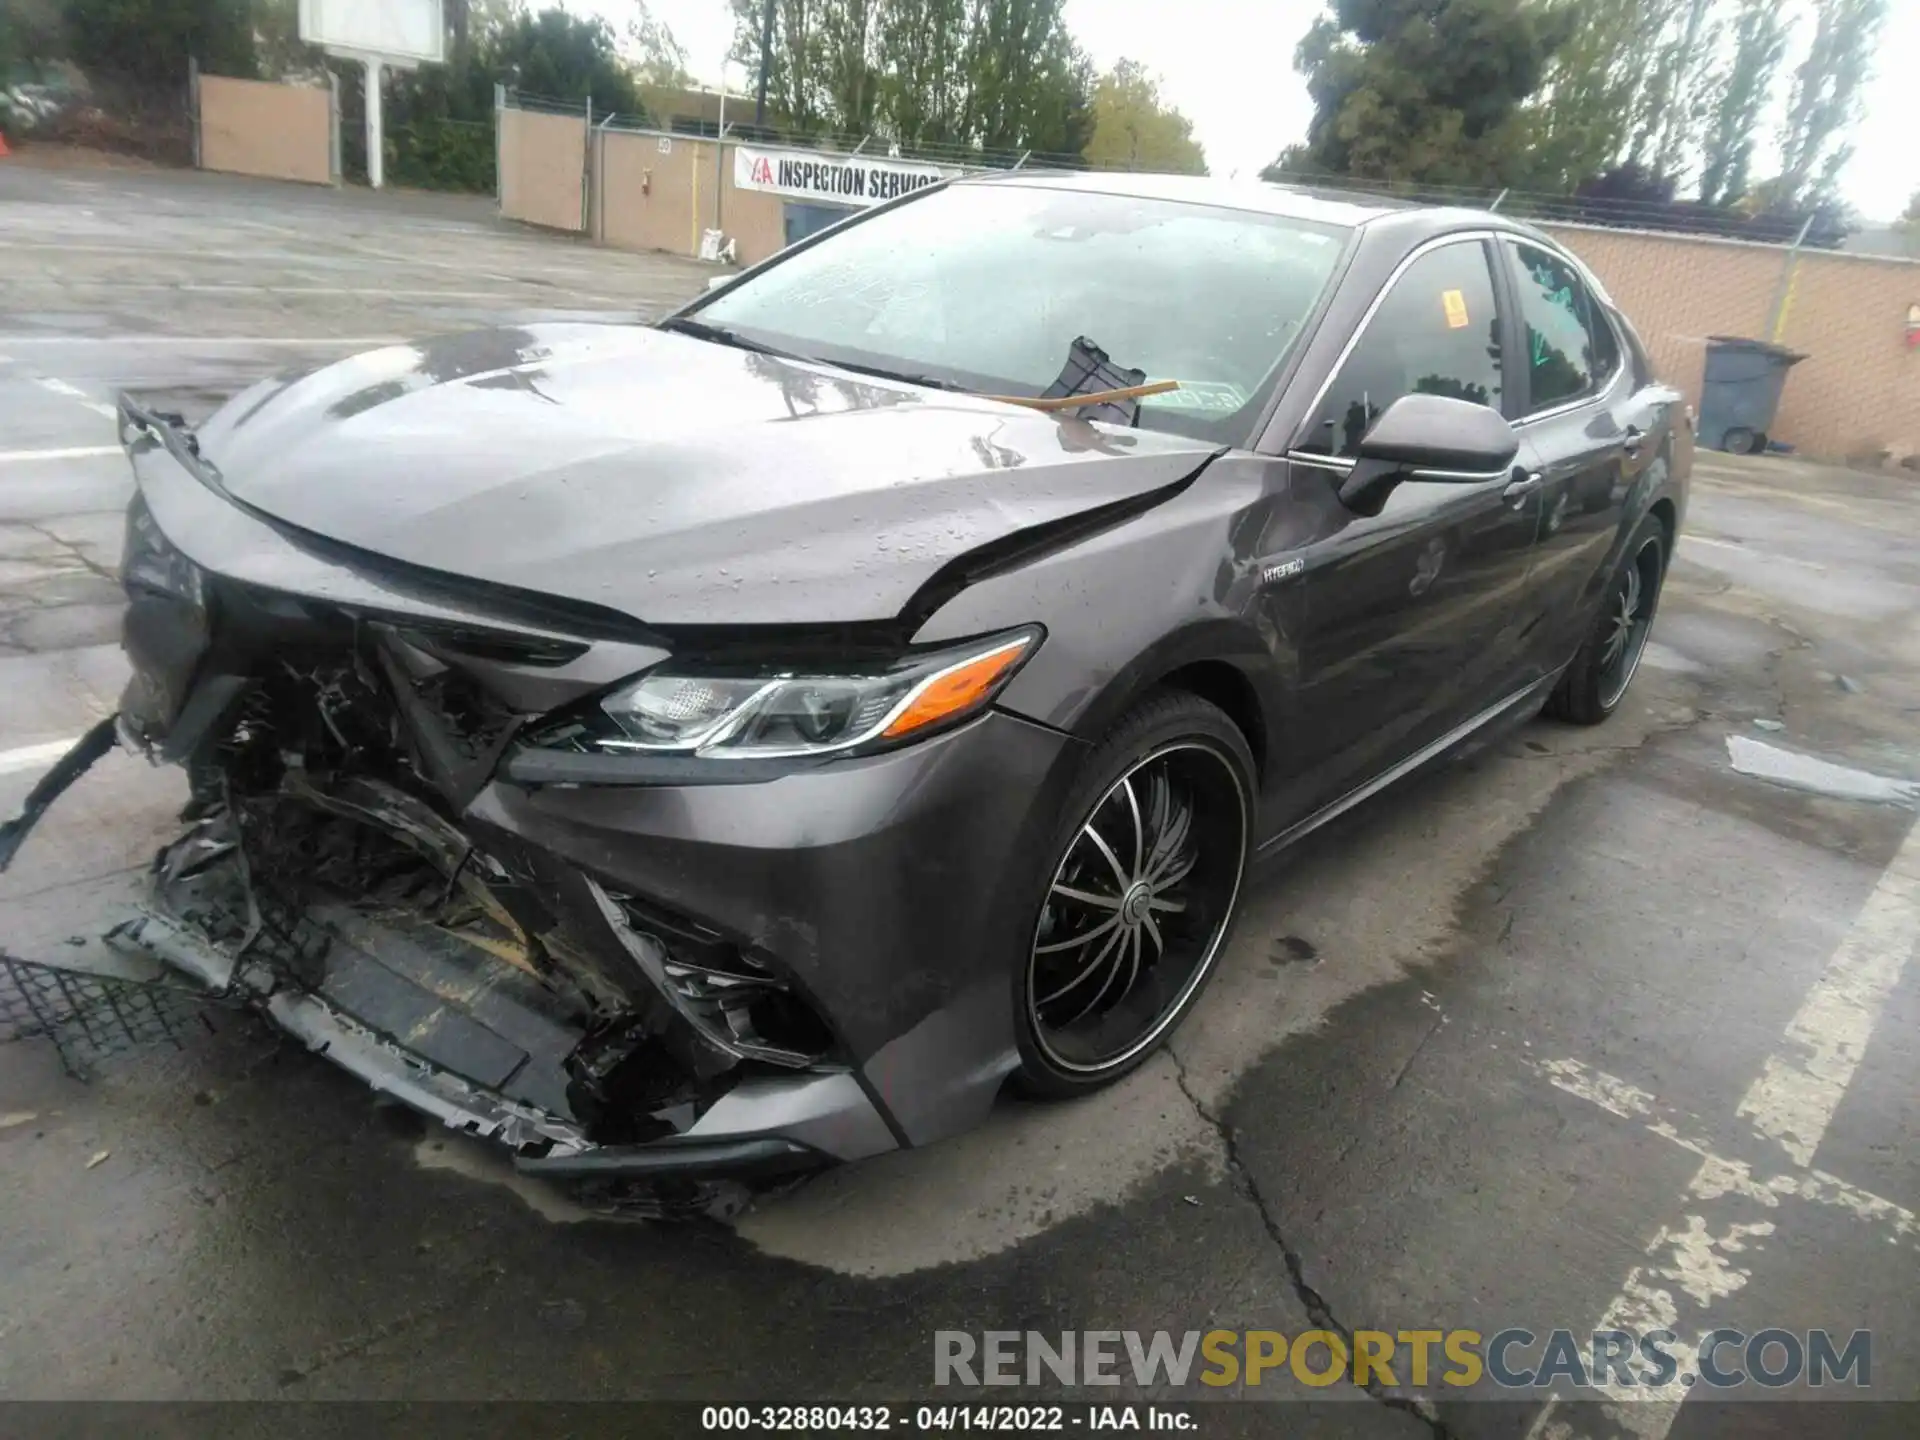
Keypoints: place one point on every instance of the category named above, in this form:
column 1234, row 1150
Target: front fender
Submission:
column 1178, row 585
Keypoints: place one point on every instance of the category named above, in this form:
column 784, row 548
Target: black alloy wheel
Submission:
column 1597, row 680
column 1141, row 896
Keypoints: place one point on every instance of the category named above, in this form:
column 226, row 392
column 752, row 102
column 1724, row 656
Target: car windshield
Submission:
column 986, row 287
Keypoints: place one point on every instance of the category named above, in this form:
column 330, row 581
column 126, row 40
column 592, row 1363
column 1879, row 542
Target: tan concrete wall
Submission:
column 656, row 192
column 542, row 162
column 250, row 127
column 1858, row 393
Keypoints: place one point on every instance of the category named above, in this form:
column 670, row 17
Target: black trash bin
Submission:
column 1742, row 392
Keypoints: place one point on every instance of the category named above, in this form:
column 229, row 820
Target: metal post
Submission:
column 193, row 104
column 499, row 127
column 597, row 141
column 720, row 150
column 333, row 125
column 766, row 65
column 1783, row 292
column 586, row 173
column 376, row 141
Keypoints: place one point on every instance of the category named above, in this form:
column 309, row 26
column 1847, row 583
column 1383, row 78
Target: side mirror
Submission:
column 1433, row 434
column 714, row 282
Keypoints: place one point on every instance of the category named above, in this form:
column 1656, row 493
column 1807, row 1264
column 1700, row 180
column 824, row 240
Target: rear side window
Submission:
column 1437, row 332
column 1571, row 349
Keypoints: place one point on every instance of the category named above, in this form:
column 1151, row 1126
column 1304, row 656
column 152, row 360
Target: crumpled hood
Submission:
column 678, row 481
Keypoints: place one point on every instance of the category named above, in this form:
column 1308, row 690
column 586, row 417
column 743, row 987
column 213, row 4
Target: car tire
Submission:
column 1126, row 931
column 1597, row 680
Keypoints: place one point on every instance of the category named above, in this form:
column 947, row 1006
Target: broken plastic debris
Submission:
column 1094, row 387
column 67, row 769
column 1769, row 725
column 98, row 1159
column 1821, row 777
column 18, row 1117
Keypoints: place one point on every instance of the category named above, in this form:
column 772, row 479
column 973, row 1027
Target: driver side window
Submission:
column 1437, row 332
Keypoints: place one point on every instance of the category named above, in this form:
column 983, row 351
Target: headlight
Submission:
column 766, row 713
column 148, row 560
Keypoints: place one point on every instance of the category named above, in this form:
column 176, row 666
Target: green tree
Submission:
column 278, row 48
column 1741, row 94
column 793, row 63
column 1582, row 115
column 1133, row 130
column 1001, row 75
column 1018, row 56
column 659, row 58
column 1059, row 114
column 152, row 40
column 1673, row 104
column 564, row 57
column 1424, row 90
column 29, row 35
column 1825, row 102
column 923, row 90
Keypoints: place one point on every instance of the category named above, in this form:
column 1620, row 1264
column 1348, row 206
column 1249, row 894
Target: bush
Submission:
column 442, row 154
column 149, row 41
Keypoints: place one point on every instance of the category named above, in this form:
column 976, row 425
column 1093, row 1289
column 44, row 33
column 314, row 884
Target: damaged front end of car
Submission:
column 333, row 875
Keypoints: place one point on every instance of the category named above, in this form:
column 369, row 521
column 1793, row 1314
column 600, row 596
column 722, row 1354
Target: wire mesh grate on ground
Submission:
column 91, row 1018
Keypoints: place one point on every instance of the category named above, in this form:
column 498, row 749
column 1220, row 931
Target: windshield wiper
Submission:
column 721, row 335
column 880, row 372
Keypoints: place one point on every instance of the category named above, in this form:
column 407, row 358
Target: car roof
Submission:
column 1297, row 202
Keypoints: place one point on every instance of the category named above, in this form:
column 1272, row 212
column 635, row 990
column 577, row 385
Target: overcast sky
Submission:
column 1228, row 66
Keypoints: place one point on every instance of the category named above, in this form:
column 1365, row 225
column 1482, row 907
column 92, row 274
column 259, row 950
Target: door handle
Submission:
column 1518, row 490
column 1635, row 441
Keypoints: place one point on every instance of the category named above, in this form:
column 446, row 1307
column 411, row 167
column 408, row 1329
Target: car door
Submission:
column 1588, row 432
column 1408, row 616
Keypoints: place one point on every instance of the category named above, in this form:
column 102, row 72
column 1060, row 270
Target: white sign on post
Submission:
column 377, row 33
column 396, row 32
column 836, row 179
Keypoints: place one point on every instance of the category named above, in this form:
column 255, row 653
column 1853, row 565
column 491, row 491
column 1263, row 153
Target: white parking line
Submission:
column 71, row 452
column 1791, row 1103
column 1797, row 1094
column 34, row 757
column 1770, row 557
column 74, row 392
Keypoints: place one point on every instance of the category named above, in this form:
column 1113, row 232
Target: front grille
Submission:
column 759, row 1014
column 735, row 1001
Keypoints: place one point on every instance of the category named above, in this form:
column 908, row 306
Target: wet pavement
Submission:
column 1599, row 1026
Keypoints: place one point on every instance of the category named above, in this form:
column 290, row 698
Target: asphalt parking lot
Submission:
column 1601, row 1027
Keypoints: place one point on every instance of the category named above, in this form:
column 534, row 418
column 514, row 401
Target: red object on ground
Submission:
column 4, row 151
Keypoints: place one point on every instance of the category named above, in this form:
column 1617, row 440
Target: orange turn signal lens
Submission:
column 956, row 691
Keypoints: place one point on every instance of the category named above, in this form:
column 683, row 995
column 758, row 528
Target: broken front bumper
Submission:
column 879, row 895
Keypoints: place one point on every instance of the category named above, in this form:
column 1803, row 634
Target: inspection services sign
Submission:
column 838, row 179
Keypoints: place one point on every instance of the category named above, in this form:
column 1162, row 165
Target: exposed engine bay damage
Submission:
column 323, row 880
